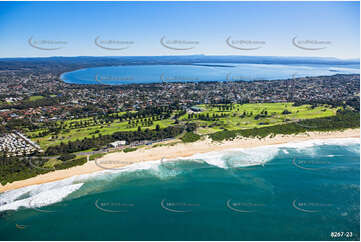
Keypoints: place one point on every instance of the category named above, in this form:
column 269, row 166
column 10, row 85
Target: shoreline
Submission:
column 180, row 150
column 60, row 76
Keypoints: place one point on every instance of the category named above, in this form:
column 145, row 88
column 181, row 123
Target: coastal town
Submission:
column 42, row 116
column 62, row 101
column 180, row 120
column 59, row 101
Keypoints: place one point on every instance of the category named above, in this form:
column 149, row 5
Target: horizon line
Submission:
column 125, row 56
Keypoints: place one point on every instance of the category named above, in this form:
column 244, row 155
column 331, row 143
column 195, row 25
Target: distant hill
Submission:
column 188, row 59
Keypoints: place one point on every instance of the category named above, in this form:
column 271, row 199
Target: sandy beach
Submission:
column 180, row 150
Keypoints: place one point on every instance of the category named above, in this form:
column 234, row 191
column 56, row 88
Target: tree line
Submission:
column 130, row 136
column 342, row 120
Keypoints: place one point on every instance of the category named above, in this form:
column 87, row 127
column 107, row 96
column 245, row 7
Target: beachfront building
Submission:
column 118, row 143
column 196, row 109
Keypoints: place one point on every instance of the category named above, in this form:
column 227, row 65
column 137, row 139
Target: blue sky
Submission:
column 270, row 25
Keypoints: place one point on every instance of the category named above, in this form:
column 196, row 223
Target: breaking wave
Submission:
column 77, row 186
column 38, row 197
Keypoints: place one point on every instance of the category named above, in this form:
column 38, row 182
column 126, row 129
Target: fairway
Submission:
column 220, row 117
column 72, row 134
column 245, row 116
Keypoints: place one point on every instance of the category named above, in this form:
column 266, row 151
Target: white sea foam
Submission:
column 312, row 145
column 334, row 155
column 41, row 197
column 11, row 196
column 239, row 157
column 52, row 192
column 316, row 142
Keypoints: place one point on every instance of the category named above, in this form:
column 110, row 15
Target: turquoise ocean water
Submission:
column 117, row 75
column 295, row 191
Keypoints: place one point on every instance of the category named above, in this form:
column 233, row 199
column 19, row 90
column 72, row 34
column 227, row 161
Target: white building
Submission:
column 118, row 143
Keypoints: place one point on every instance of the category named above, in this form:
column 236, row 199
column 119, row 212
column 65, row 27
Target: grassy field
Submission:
column 80, row 133
column 240, row 117
column 35, row 98
column 237, row 120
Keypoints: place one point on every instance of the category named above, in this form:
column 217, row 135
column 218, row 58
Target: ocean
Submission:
column 297, row 191
column 136, row 74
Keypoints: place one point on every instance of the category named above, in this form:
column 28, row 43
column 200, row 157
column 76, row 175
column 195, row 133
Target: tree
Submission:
column 286, row 112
